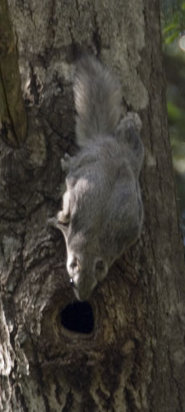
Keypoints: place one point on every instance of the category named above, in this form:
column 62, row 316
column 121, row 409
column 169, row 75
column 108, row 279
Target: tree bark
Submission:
column 13, row 121
column 130, row 354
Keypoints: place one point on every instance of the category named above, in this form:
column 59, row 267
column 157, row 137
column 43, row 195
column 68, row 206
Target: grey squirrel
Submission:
column 102, row 210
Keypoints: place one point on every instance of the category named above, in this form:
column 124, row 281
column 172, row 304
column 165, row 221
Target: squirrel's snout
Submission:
column 74, row 269
column 83, row 276
column 73, row 264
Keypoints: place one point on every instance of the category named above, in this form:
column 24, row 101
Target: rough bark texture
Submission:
column 133, row 360
column 13, row 121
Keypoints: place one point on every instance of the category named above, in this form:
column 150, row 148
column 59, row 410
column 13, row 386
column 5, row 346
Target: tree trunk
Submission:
column 13, row 121
column 124, row 349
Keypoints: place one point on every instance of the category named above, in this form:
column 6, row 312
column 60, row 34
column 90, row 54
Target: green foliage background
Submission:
column 173, row 30
column 173, row 19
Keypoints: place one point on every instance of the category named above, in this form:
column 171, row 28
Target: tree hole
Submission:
column 78, row 317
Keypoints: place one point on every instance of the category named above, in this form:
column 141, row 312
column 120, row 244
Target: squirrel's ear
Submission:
column 60, row 221
column 63, row 218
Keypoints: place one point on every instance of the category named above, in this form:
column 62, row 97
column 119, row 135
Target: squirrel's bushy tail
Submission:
column 97, row 100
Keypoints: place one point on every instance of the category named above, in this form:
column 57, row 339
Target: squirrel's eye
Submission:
column 63, row 219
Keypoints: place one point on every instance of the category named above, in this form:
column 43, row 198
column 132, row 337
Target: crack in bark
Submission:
column 96, row 34
column 38, row 370
column 178, row 392
column 69, row 402
column 5, row 127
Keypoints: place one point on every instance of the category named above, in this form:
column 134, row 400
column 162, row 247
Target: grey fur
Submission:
column 102, row 210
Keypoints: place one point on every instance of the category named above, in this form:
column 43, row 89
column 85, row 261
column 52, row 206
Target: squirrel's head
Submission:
column 85, row 270
column 80, row 221
column 98, row 219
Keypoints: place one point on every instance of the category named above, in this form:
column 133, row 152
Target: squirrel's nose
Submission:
column 72, row 283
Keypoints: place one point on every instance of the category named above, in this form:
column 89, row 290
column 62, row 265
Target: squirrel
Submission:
column 102, row 211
